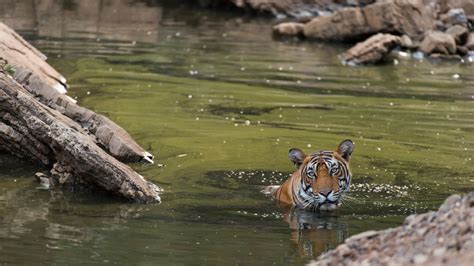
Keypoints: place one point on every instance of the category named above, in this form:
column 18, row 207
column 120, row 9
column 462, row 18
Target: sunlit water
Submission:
column 220, row 103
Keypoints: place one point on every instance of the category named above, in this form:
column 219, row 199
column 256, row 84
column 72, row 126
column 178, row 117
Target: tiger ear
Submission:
column 345, row 149
column 296, row 156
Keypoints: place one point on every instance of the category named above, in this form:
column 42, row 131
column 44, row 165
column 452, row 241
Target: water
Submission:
column 220, row 103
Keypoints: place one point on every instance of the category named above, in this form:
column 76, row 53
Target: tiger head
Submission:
column 325, row 176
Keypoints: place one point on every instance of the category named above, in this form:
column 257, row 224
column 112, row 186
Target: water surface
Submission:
column 220, row 103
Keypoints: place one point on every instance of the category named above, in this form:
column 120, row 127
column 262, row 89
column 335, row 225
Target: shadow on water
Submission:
column 220, row 102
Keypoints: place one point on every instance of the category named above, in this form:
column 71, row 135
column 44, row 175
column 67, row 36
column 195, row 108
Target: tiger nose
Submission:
column 325, row 192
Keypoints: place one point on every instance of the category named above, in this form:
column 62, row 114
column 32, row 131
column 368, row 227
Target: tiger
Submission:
column 320, row 181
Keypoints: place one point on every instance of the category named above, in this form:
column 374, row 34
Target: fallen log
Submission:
column 39, row 123
column 44, row 82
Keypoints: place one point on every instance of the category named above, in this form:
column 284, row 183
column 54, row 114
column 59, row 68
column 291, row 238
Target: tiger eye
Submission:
column 310, row 172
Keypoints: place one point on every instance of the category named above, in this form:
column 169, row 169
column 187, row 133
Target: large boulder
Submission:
column 372, row 50
column 345, row 24
column 410, row 17
column 438, row 42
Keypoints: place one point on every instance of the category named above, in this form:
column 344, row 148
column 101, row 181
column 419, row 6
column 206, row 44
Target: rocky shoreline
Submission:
column 443, row 237
column 424, row 28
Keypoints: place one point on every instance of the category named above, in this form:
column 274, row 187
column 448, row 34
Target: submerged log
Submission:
column 38, row 122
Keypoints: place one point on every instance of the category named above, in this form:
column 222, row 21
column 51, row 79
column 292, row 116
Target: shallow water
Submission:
column 220, row 103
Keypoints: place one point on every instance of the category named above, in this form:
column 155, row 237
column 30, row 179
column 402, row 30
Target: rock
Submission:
column 440, row 26
column 407, row 42
column 438, row 42
column 459, row 34
column 345, row 24
column 289, row 29
column 410, row 17
column 430, row 240
column 454, row 16
column 449, row 203
column 371, row 50
column 466, row 5
column 461, row 50
column 470, row 42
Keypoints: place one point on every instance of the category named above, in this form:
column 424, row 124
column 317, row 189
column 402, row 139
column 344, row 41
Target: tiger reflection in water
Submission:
column 312, row 233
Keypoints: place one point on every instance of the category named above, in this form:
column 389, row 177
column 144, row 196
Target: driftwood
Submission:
column 38, row 122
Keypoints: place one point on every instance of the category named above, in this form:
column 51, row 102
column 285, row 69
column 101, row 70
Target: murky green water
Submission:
column 220, row 103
